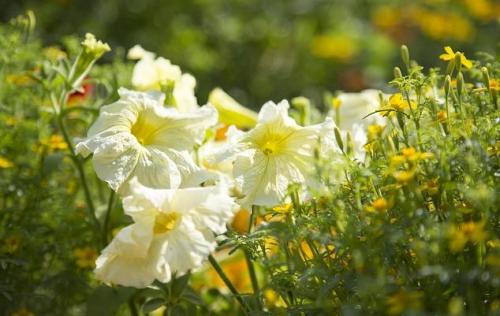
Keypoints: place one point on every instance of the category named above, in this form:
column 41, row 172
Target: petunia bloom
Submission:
column 173, row 232
column 156, row 74
column 138, row 136
column 276, row 153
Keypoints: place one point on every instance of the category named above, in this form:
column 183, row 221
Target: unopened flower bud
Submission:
column 397, row 73
column 405, row 56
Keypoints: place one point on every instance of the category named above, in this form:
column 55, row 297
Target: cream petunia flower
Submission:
column 137, row 136
column 351, row 116
column 151, row 73
column 173, row 232
column 275, row 154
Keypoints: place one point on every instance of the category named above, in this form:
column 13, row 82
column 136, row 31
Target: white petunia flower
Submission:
column 275, row 154
column 351, row 116
column 138, row 136
column 151, row 73
column 173, row 232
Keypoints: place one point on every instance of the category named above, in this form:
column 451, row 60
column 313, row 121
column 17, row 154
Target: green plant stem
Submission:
column 79, row 168
column 228, row 283
column 251, row 267
column 105, row 226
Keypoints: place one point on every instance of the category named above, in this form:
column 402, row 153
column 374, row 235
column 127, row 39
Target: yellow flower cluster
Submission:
column 85, row 257
column 460, row 235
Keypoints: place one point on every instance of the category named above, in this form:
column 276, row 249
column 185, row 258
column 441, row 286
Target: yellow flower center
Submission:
column 144, row 130
column 165, row 222
column 269, row 147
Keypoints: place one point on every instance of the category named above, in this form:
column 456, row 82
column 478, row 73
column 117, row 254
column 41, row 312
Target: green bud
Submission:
column 92, row 50
column 405, row 56
column 451, row 67
column 338, row 138
column 460, row 84
column 350, row 143
column 486, row 77
column 391, row 144
column 447, row 86
column 303, row 105
column 397, row 73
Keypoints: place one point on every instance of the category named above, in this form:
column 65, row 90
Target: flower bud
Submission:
column 447, row 86
column 458, row 61
column 303, row 105
column 338, row 138
column 397, row 73
column 460, row 84
column 405, row 56
column 486, row 77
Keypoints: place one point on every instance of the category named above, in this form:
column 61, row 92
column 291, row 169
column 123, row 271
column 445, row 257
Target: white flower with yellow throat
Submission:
column 138, row 136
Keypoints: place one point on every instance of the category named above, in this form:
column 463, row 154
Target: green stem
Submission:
column 228, row 282
column 105, row 226
column 251, row 267
column 81, row 172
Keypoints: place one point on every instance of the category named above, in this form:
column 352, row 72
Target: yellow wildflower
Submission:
column 5, row 163
column 495, row 85
column 397, row 102
column 380, row 204
column 336, row 103
column 273, row 299
column 12, row 243
column 374, row 131
column 403, row 301
column 240, row 221
column 466, row 232
column 404, row 177
column 55, row 143
column 85, row 257
column 339, row 47
column 21, row 80
column 284, row 209
column 450, row 55
column 386, row 17
column 23, row 312
column 397, row 160
column 441, row 116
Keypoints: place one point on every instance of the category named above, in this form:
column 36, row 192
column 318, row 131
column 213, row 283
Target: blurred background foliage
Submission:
column 259, row 50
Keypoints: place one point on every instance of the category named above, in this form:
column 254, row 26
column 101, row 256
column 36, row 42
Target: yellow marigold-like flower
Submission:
column 397, row 102
column 85, row 257
column 339, row 47
column 273, row 299
column 450, row 55
column 380, row 204
column 284, row 209
column 11, row 244
column 55, row 143
column 404, row 300
column 466, row 232
column 240, row 221
column 5, row 163
column 404, row 177
column 495, row 85
column 441, row 116
column 336, row 103
column 54, row 53
column 374, row 131
column 23, row 312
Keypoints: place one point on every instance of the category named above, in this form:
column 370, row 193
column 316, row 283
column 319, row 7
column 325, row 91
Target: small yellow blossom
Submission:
column 380, row 204
column 386, row 17
column 85, row 257
column 432, row 186
column 23, row 312
column 273, row 299
column 20, row 80
column 374, row 131
column 284, row 209
column 5, row 163
column 405, row 176
column 54, row 53
column 495, row 85
column 404, row 300
column 55, row 143
column 11, row 244
column 397, row 160
column 240, row 221
column 450, row 55
column 339, row 47
column 336, row 103
column 397, row 102
column 466, row 232
column 441, row 116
